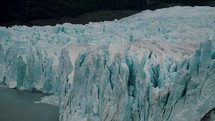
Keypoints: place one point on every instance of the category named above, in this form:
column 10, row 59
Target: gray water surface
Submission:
column 19, row 106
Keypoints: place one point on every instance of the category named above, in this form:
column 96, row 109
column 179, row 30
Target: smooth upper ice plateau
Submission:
column 152, row 66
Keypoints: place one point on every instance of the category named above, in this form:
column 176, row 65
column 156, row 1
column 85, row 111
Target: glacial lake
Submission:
column 20, row 106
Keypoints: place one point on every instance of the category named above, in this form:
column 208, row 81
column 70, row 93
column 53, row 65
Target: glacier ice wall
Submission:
column 162, row 72
column 152, row 66
column 28, row 62
column 151, row 88
column 29, row 56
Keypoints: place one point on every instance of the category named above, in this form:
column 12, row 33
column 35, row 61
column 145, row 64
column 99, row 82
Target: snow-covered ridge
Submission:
column 146, row 67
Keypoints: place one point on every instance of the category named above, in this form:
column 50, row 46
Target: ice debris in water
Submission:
column 152, row 66
column 51, row 99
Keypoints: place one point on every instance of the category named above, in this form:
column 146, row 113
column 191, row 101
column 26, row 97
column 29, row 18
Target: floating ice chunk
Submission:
column 52, row 100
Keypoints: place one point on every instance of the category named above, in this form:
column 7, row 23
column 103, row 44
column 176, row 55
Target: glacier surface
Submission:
column 152, row 66
column 160, row 68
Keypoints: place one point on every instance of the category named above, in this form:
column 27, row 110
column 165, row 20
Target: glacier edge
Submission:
column 152, row 66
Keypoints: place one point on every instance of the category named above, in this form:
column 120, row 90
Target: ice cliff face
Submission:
column 157, row 74
column 141, row 86
column 29, row 61
column 153, row 66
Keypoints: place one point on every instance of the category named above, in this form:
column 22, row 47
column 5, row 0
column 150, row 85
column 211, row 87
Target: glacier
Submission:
column 152, row 66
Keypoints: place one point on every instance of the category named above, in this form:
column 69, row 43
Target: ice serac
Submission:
column 164, row 74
